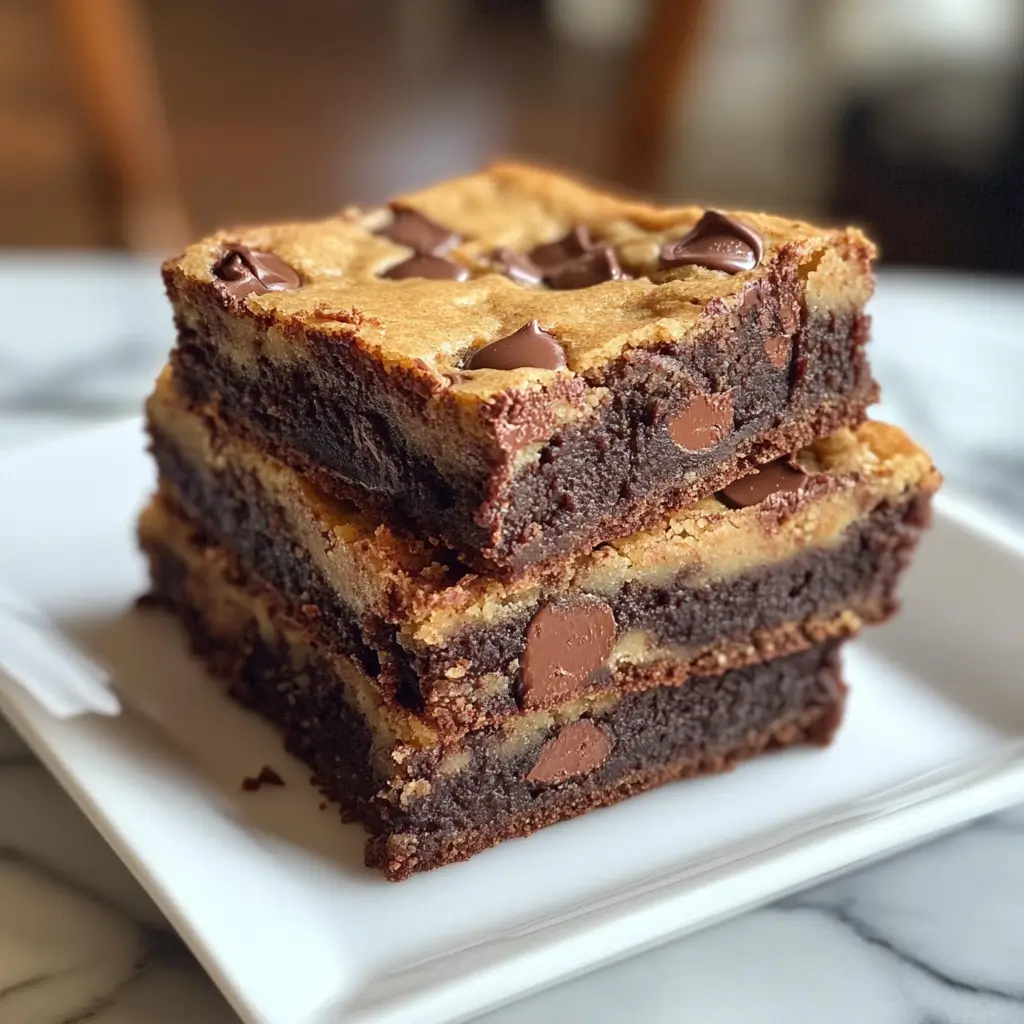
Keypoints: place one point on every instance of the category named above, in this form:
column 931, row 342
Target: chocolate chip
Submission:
column 267, row 777
column 702, row 422
column 576, row 261
column 579, row 749
column 568, row 247
column 717, row 242
column 594, row 267
column 242, row 271
column 777, row 350
column 515, row 265
column 775, row 478
column 409, row 227
column 438, row 268
column 531, row 345
column 231, row 267
column 565, row 645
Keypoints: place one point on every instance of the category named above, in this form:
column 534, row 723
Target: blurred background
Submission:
column 128, row 127
column 137, row 123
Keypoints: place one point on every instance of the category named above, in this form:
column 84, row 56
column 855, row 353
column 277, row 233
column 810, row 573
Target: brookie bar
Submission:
column 428, row 803
column 521, row 367
column 806, row 549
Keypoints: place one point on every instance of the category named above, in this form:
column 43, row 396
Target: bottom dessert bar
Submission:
column 427, row 803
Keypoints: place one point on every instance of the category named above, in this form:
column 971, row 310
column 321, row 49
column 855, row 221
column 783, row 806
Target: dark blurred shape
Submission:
column 110, row 61
column 659, row 65
column 927, row 202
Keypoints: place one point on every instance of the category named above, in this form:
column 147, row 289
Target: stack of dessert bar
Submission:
column 512, row 499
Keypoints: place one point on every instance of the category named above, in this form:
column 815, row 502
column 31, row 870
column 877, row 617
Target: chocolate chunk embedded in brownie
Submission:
column 808, row 548
column 522, row 367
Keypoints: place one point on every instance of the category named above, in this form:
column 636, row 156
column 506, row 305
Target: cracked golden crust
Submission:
column 413, row 584
column 429, row 326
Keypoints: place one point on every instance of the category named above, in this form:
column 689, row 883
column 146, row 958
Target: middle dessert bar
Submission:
column 806, row 550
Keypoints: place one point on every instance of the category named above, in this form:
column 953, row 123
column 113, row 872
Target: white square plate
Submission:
column 270, row 891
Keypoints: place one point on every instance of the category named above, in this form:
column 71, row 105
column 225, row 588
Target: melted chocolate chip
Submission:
column 776, row 478
column 702, row 422
column 438, row 268
column 579, row 749
column 717, row 242
column 232, row 266
column 565, row 645
column 595, row 266
column 568, row 247
column 515, row 265
column 242, row 271
column 409, row 227
column 531, row 345
column 777, row 350
column 576, row 261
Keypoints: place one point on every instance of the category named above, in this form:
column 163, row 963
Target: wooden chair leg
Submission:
column 660, row 61
column 113, row 68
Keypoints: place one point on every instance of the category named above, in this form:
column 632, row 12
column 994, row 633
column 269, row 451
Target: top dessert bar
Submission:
column 519, row 367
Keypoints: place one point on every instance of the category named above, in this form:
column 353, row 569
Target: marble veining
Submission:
column 933, row 936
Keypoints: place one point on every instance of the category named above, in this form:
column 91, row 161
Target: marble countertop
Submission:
column 934, row 936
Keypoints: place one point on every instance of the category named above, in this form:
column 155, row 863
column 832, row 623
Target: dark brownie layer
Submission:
column 765, row 612
column 401, row 854
column 662, row 733
column 648, row 729
column 335, row 417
